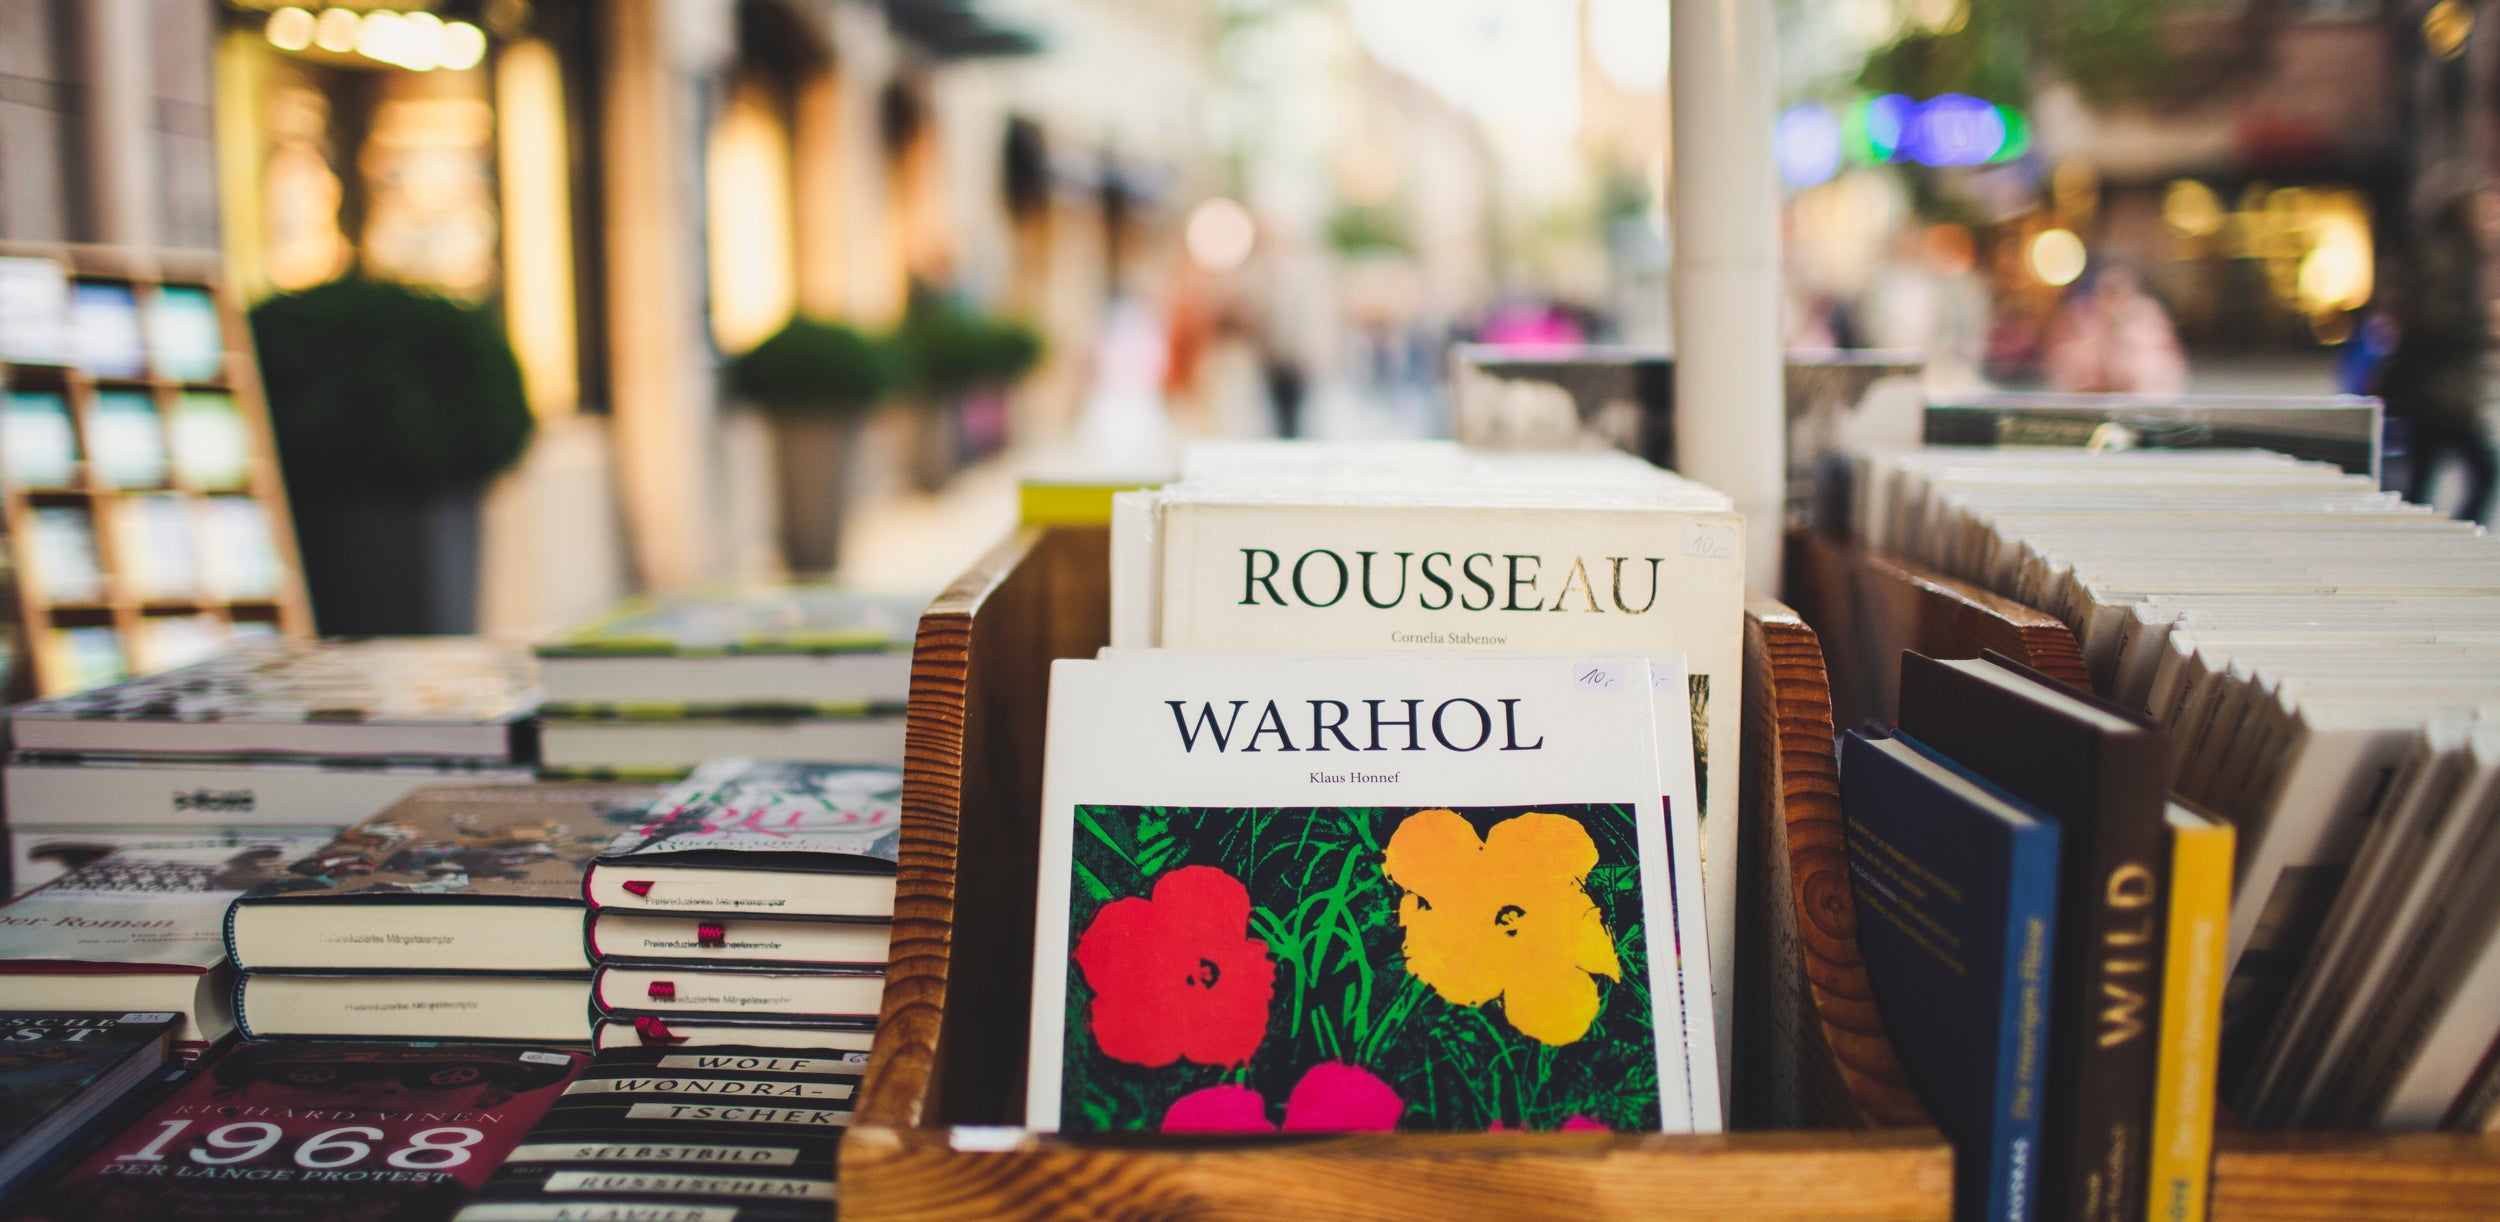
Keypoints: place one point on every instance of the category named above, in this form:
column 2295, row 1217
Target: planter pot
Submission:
column 391, row 566
column 812, row 459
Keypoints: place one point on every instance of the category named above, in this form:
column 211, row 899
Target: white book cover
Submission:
column 1330, row 893
column 145, row 907
column 195, row 793
column 1601, row 578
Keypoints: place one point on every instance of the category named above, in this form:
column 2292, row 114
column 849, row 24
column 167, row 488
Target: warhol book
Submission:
column 1330, row 894
column 317, row 1132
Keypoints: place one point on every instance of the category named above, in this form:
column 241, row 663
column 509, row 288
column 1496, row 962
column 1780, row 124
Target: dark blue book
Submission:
column 1956, row 885
column 61, row 1071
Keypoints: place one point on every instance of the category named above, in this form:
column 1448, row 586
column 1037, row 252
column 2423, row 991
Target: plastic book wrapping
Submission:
column 779, row 620
column 2179, row 1168
column 373, row 681
column 1956, row 885
column 771, row 815
column 2101, row 773
column 317, row 1132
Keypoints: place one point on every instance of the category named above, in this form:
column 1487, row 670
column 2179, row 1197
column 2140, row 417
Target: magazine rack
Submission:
column 122, row 605
column 930, row 1138
column 1864, row 601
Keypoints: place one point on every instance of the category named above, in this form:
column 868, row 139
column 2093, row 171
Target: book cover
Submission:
column 1462, row 859
column 62, row 1071
column 2180, row 1169
column 316, row 1132
column 2103, row 775
column 212, row 449
column 61, row 556
column 409, row 696
column 125, row 440
column 143, row 908
column 718, row 842
column 750, row 1130
column 104, row 329
column 397, row 891
column 1956, row 886
column 186, row 340
column 37, row 441
column 69, row 788
column 1435, row 579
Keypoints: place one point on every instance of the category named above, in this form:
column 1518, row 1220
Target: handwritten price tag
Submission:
column 1710, row 541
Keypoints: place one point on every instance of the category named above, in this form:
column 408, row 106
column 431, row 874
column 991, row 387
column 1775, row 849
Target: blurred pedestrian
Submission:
column 2111, row 337
column 2433, row 381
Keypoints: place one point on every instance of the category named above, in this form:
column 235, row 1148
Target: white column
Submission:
column 1730, row 426
column 114, row 37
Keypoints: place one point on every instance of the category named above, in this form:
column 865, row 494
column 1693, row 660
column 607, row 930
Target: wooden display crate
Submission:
column 930, row 1139
column 122, row 604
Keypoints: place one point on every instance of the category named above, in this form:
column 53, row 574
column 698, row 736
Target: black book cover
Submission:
column 61, row 1071
column 2104, row 775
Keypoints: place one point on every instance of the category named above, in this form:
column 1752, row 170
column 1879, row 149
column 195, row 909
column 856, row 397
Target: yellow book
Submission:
column 2180, row 1170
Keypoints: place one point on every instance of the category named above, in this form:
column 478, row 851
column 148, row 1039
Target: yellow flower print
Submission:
column 1506, row 916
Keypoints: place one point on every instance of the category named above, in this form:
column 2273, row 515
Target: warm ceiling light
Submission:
column 335, row 30
column 2056, row 257
column 464, row 46
column 290, row 29
column 420, row 42
column 2445, row 27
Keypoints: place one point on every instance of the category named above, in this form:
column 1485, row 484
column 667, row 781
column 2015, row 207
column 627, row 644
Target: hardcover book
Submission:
column 715, row 991
column 535, row 1007
column 1463, row 860
column 680, row 1031
column 787, row 646
column 380, row 696
column 454, row 878
column 62, row 1072
column 317, row 1133
column 2103, row 775
column 617, row 934
column 746, row 837
column 748, row 1133
column 139, row 930
column 1956, row 885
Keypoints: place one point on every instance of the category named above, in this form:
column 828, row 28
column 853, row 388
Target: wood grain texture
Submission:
column 1869, row 608
column 2356, row 1177
column 1815, row 1052
column 892, row 1175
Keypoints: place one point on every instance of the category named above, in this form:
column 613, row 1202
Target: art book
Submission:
column 1330, row 894
column 451, row 878
column 310, row 1132
column 761, row 838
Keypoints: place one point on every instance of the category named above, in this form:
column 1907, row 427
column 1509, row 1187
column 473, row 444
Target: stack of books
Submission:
column 2043, row 931
column 455, row 914
column 141, row 929
column 2323, row 657
column 64, row 1076
column 1431, row 549
column 718, row 1133
column 655, row 687
column 752, row 906
column 271, row 737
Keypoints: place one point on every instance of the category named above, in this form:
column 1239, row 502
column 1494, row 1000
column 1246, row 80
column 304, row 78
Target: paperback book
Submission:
column 1465, row 860
column 62, row 1072
column 316, row 1133
column 140, row 930
column 791, row 647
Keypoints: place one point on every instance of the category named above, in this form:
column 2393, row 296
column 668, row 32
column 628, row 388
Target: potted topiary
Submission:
column 957, row 365
column 817, row 381
column 392, row 409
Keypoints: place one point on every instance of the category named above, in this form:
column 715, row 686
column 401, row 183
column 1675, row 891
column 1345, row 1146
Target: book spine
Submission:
column 2116, row 986
column 2179, row 1166
column 2022, row 1031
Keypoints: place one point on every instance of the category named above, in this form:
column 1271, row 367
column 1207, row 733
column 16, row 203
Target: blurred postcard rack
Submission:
column 145, row 519
column 1825, row 1125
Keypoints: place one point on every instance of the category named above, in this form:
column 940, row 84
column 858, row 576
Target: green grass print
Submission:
column 1329, row 918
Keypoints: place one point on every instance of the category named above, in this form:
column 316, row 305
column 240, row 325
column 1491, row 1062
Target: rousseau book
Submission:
column 1462, row 858
column 1956, row 886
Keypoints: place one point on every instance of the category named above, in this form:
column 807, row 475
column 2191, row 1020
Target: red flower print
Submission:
column 1332, row 1097
column 1176, row 977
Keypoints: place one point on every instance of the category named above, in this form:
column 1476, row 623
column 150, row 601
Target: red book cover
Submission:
column 317, row 1132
